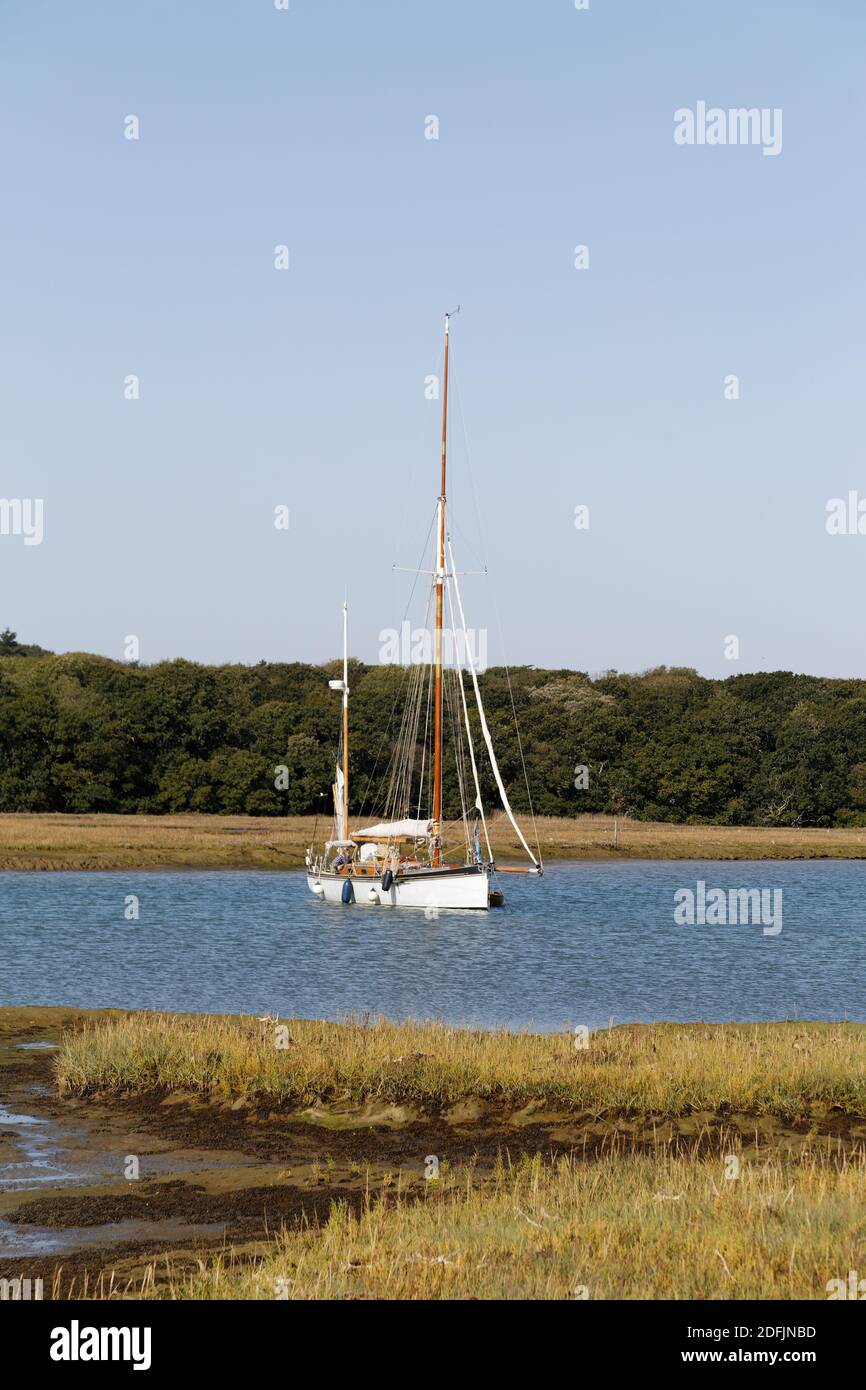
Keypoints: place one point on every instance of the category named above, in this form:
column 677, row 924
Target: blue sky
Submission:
column 305, row 387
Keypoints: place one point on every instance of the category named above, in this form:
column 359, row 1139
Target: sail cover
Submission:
column 395, row 830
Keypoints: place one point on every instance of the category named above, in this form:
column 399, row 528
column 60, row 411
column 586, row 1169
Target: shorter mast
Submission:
column 341, row 806
column 346, row 715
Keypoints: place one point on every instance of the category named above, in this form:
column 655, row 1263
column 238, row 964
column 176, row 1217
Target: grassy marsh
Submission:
column 629, row 1227
column 789, row 1070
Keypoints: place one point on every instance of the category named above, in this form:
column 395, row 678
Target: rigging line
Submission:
column 459, row 754
column 411, row 750
column 385, row 733
column 456, row 380
column 427, row 446
column 400, row 686
column 335, row 751
column 517, row 730
column 424, row 738
column 424, row 745
column 457, row 748
column 405, row 751
column 485, row 729
column 420, row 562
column 467, row 542
column 428, row 678
column 495, row 609
column 459, row 673
column 402, row 744
column 404, row 754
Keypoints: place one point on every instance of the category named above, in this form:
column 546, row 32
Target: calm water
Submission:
column 588, row 943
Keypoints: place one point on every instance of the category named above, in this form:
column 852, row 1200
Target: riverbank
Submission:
column 44, row 842
column 787, row 1070
column 371, row 1159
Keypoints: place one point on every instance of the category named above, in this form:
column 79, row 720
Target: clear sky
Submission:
column 305, row 387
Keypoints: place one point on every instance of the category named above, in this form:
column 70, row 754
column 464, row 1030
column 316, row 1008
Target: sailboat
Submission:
column 402, row 859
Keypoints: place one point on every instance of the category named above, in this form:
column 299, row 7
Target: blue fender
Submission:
column 348, row 893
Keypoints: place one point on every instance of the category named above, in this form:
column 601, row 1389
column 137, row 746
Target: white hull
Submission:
column 428, row 889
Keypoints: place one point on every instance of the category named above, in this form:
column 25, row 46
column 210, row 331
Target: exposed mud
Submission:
column 109, row 1186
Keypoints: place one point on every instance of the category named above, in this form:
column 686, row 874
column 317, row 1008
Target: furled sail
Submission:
column 506, row 805
column 339, row 804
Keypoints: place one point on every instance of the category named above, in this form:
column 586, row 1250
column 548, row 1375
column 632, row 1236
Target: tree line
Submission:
column 83, row 733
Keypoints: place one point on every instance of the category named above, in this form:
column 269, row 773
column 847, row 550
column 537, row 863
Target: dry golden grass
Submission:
column 158, row 842
column 790, row 1070
column 249, row 842
column 627, row 1227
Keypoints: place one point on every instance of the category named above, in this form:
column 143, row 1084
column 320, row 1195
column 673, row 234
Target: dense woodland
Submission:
column 84, row 733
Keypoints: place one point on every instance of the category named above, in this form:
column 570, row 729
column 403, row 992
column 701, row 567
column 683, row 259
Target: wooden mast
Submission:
column 440, row 584
column 346, row 718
